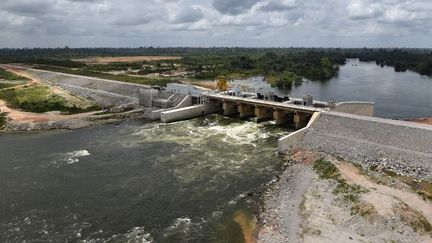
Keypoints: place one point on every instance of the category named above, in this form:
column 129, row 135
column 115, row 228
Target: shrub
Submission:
column 2, row 120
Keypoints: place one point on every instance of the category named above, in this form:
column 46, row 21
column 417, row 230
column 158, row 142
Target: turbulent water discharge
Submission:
column 143, row 182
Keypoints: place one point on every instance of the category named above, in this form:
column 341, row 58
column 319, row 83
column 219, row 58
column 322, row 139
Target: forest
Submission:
column 280, row 66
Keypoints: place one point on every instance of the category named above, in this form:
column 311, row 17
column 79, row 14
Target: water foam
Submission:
column 136, row 234
column 69, row 158
column 74, row 156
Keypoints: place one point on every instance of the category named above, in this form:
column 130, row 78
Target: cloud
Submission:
column 277, row 6
column 233, row 7
column 189, row 15
column 362, row 9
column 215, row 22
column 28, row 7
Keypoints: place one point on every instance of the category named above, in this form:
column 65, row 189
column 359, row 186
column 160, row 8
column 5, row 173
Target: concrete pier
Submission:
column 229, row 108
column 263, row 113
column 280, row 116
column 300, row 120
column 246, row 110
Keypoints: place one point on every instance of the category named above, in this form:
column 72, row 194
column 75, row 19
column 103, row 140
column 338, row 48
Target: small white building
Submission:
column 184, row 89
column 235, row 91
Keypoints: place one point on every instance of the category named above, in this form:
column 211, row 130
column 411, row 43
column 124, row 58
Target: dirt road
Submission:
column 106, row 60
column 16, row 115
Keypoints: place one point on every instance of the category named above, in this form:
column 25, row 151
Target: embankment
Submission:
column 403, row 147
column 106, row 93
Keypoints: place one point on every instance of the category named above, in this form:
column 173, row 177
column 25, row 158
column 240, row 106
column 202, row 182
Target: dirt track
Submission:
column 21, row 116
column 106, row 60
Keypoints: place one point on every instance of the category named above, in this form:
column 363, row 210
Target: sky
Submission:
column 208, row 23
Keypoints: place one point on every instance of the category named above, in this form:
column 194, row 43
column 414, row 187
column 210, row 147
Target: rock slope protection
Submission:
column 105, row 92
column 399, row 146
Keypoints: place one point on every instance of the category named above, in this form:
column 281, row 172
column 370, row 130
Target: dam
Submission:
column 199, row 150
column 346, row 129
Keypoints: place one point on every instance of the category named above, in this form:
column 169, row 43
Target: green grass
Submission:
column 415, row 219
column 6, row 85
column 327, row 170
column 2, row 120
column 39, row 99
column 423, row 188
column 8, row 76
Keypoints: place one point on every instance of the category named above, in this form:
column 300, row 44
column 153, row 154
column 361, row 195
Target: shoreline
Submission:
column 351, row 204
column 426, row 120
column 74, row 122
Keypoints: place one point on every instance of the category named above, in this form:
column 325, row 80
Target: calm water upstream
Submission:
column 396, row 95
column 137, row 182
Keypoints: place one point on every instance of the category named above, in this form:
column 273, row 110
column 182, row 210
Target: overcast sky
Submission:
column 250, row 23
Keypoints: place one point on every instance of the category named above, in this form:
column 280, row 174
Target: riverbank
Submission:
column 42, row 104
column 27, row 121
column 426, row 121
column 320, row 198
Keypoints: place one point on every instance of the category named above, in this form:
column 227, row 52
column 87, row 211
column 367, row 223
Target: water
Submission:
column 179, row 182
column 396, row 95
column 137, row 182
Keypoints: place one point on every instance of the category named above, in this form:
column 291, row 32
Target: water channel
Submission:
column 181, row 182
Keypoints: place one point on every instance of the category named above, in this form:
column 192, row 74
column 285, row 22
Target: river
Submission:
column 400, row 95
column 137, row 181
column 181, row 182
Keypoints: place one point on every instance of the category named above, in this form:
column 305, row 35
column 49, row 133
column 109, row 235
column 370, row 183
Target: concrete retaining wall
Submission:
column 356, row 108
column 186, row 102
column 189, row 112
column 288, row 142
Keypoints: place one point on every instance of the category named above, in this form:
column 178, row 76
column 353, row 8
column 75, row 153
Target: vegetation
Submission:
column 327, row 170
column 423, row 188
column 2, row 120
column 400, row 59
column 97, row 74
column 8, row 79
column 39, row 99
column 281, row 66
column 6, row 85
column 415, row 219
column 124, row 78
column 8, row 76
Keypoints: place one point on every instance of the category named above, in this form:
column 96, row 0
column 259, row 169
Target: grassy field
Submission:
column 40, row 99
column 126, row 59
column 8, row 76
column 8, row 79
column 6, row 85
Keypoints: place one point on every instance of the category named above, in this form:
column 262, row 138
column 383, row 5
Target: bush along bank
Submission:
column 40, row 99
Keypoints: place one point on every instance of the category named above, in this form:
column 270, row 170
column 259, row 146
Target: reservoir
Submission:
column 397, row 95
column 139, row 182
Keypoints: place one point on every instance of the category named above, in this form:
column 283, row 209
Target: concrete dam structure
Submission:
column 346, row 129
